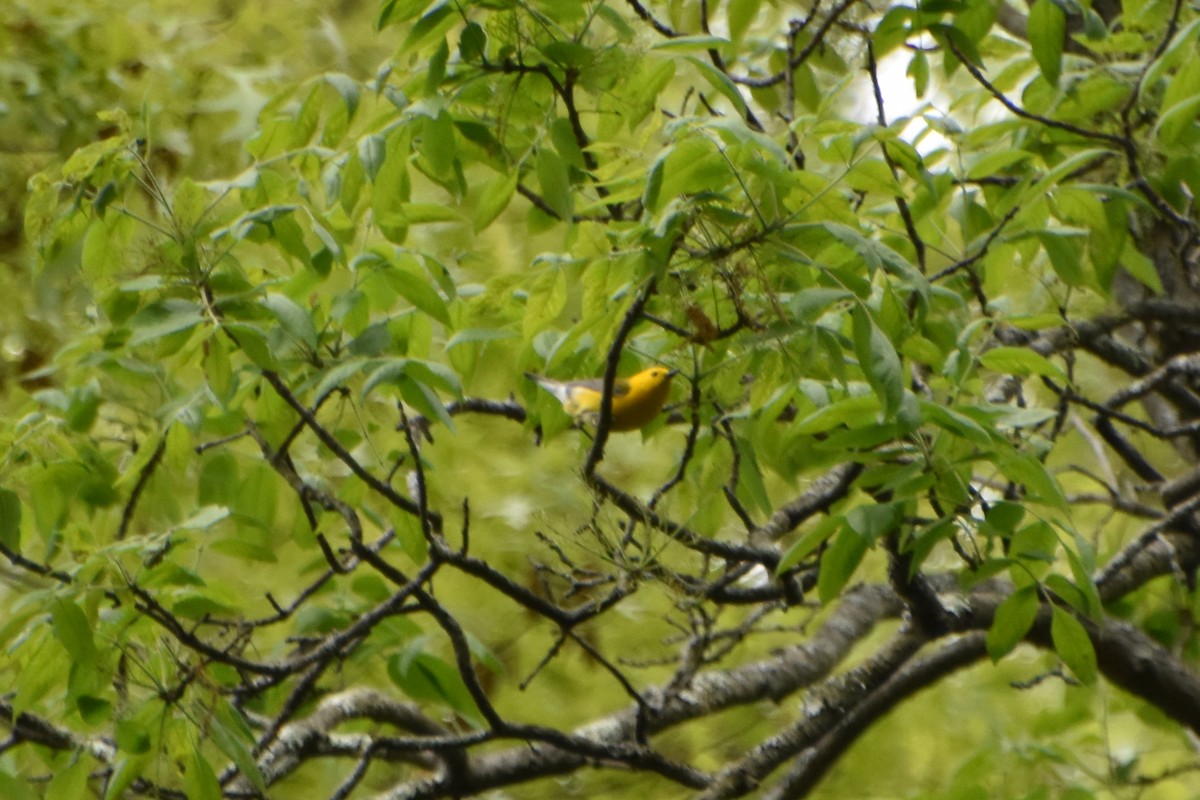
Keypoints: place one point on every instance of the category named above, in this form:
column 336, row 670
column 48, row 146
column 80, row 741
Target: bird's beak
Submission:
column 672, row 373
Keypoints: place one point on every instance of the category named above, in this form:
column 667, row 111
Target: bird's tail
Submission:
column 556, row 388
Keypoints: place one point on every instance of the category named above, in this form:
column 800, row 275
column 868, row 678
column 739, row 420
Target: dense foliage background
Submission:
column 282, row 517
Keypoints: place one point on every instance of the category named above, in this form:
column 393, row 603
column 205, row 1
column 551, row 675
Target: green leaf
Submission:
column 1004, row 516
column 691, row 43
column 652, row 192
column 568, row 53
column 1035, row 542
column 691, row 167
column 472, row 43
column 1180, row 48
column 1066, row 255
column 415, row 286
column 10, row 520
column 918, row 70
column 562, row 133
column 838, row 563
column 70, row 782
column 810, row 541
column 388, row 372
column 1047, row 31
column 994, row 163
column 1022, row 362
column 892, row 30
column 1108, row 239
column 372, row 153
column 234, row 738
column 618, row 23
column 373, row 341
column 74, row 631
column 555, row 183
column 547, row 299
column 494, row 198
column 338, row 374
column 93, row 710
column 721, row 82
column 133, row 733
column 415, row 381
column 876, row 255
column 84, row 405
column 1038, row 482
column 874, row 521
column 924, row 539
column 741, row 14
column 475, row 335
column 203, row 519
column 198, row 606
column 437, row 144
column 1067, row 166
column 879, row 361
column 1082, row 560
column 217, row 369
column 853, row 411
column 644, row 90
column 1177, row 120
column 349, row 89
column 1073, row 645
column 126, row 770
column 435, row 68
column 163, row 319
column 1015, row 417
column 393, row 11
column 100, row 255
column 751, row 487
column 425, row 677
column 294, row 320
column 199, row 780
column 810, row 304
column 1014, row 617
column 253, row 342
column 872, row 175
column 1067, row 591
column 15, row 789
column 1140, row 267
column 429, row 27
column 432, row 373
column 421, row 213
column 958, row 424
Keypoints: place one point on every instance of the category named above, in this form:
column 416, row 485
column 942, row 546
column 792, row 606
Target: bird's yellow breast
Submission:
column 636, row 400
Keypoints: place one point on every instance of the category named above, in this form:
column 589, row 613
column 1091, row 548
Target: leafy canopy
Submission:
column 286, row 446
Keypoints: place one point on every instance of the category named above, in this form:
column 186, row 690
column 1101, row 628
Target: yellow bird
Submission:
column 636, row 400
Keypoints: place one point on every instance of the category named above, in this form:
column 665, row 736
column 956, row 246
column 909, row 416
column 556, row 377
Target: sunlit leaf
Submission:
column 879, row 360
column 1047, row 33
column 493, row 199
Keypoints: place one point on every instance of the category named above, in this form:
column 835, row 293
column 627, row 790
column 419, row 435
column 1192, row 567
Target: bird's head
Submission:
column 658, row 375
